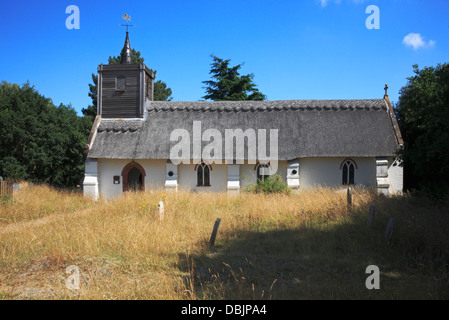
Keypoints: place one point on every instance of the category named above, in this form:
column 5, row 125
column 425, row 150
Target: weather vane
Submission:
column 127, row 18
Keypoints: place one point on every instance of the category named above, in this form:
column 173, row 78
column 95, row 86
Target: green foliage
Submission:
column 228, row 84
column 40, row 141
column 5, row 198
column 423, row 117
column 272, row 184
column 91, row 111
column 135, row 58
column 161, row 92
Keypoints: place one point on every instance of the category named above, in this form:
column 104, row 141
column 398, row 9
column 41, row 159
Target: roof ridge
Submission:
column 270, row 105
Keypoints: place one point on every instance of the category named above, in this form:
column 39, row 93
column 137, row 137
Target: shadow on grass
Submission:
column 317, row 260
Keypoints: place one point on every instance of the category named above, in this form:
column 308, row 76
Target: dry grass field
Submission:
column 296, row 246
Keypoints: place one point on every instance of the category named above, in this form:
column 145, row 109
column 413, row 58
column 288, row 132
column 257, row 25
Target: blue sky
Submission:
column 309, row 49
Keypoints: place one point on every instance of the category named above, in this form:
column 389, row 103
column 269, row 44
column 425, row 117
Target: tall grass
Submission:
column 40, row 201
column 284, row 246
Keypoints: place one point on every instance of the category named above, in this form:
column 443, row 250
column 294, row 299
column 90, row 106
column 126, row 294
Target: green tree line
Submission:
column 423, row 117
column 39, row 141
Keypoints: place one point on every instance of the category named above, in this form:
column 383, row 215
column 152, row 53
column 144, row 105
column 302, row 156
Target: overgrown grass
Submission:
column 275, row 246
column 39, row 201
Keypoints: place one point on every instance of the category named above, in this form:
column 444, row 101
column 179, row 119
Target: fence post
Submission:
column 214, row 232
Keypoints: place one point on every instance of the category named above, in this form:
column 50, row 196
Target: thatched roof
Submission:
column 307, row 128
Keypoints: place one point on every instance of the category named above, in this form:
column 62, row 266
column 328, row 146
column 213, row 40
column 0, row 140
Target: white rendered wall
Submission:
column 108, row 168
column 90, row 183
column 187, row 177
column 312, row 172
column 395, row 176
column 326, row 172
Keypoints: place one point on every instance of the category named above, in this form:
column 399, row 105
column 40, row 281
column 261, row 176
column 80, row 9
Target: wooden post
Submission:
column 372, row 210
column 214, row 232
column 389, row 231
column 349, row 198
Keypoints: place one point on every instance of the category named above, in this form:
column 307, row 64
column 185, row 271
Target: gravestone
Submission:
column 160, row 207
column 214, row 232
column 389, row 231
column 349, row 198
column 372, row 210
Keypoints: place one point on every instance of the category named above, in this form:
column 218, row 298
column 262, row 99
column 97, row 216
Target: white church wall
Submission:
column 312, row 172
column 395, row 176
column 187, row 177
column 90, row 183
column 108, row 168
column 326, row 172
column 155, row 174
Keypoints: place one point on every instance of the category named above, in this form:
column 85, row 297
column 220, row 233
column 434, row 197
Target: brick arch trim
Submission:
column 127, row 169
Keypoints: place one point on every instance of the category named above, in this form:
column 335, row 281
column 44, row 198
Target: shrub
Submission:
column 272, row 184
column 5, row 198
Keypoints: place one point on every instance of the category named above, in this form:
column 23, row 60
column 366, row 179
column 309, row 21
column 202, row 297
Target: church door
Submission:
column 133, row 176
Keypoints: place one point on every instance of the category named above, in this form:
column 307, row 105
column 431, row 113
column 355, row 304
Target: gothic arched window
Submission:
column 203, row 175
column 348, row 167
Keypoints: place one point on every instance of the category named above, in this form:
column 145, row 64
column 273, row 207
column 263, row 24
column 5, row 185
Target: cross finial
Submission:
column 386, row 90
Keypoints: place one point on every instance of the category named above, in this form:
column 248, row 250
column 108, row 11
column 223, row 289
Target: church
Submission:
column 223, row 146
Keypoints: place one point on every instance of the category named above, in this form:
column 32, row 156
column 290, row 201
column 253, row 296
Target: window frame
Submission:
column 121, row 77
column 205, row 175
column 261, row 165
column 348, row 168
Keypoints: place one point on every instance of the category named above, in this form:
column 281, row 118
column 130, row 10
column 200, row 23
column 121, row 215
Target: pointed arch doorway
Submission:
column 133, row 177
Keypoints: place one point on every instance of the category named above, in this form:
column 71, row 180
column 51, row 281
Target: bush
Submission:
column 5, row 198
column 272, row 184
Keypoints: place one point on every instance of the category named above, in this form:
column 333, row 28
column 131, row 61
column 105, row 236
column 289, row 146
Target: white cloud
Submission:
column 325, row 2
column 416, row 41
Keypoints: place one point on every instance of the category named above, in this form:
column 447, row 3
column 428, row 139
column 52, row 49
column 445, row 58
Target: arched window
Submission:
column 203, row 175
column 263, row 172
column 348, row 167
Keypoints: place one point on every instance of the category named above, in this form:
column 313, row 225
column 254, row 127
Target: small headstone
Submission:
column 389, row 231
column 372, row 210
column 160, row 207
column 349, row 198
column 214, row 232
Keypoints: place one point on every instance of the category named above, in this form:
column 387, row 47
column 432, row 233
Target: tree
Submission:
column 423, row 117
column 161, row 92
column 228, row 84
column 91, row 111
column 40, row 141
